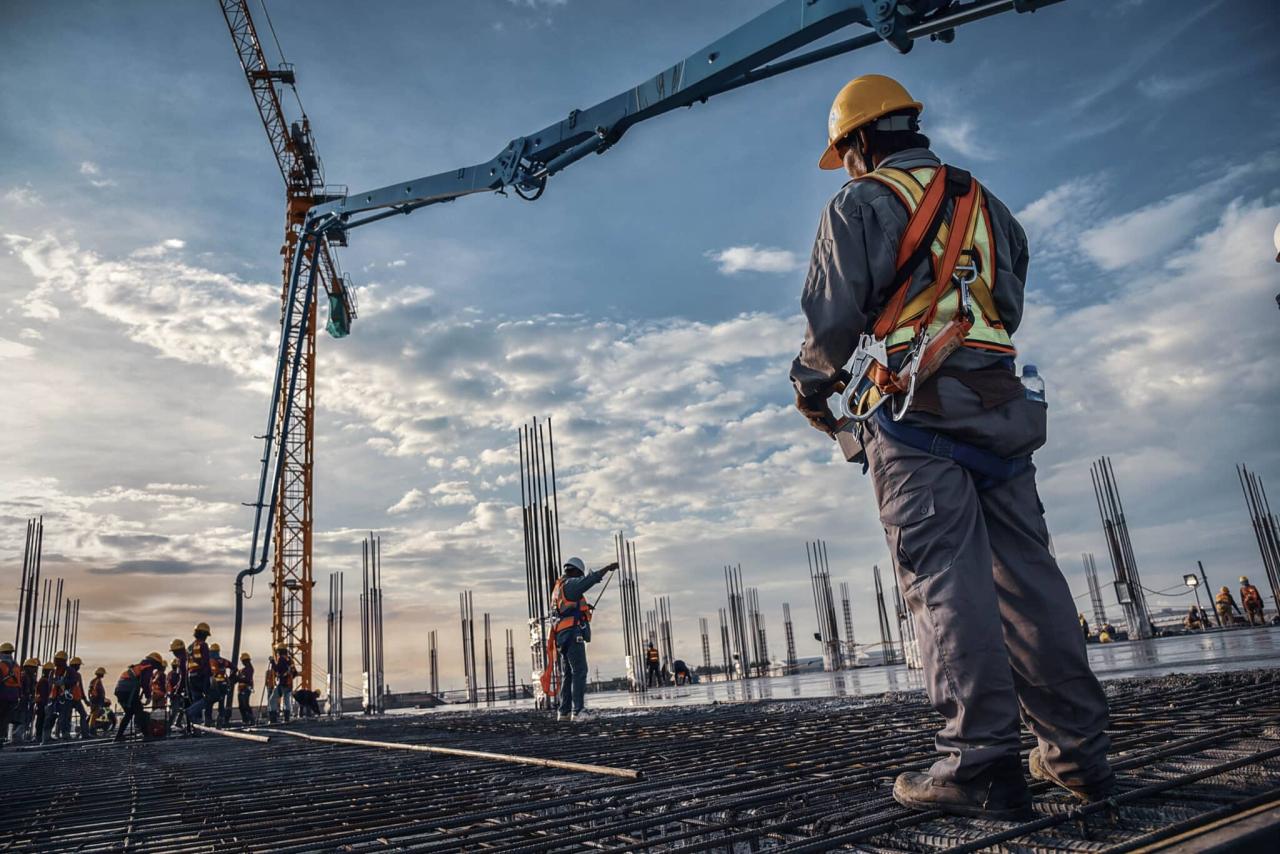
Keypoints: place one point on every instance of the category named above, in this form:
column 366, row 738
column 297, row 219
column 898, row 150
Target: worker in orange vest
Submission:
column 572, row 632
column 133, row 688
column 911, row 323
column 74, row 701
column 1225, row 604
column 97, row 700
column 1251, row 599
column 10, row 689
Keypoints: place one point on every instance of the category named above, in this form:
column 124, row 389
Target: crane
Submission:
column 757, row 50
column 303, row 175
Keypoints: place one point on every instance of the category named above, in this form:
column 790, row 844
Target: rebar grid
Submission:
column 780, row 775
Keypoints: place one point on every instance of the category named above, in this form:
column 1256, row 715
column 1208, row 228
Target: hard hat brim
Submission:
column 831, row 158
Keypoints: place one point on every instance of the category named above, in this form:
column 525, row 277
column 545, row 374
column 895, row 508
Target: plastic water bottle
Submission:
column 1033, row 382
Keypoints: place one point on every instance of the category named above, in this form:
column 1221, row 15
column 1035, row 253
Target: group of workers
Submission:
column 1254, row 614
column 37, row 700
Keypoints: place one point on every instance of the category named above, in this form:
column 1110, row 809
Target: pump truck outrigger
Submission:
column 757, row 50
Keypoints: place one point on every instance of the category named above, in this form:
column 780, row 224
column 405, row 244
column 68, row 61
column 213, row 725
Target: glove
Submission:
column 609, row 567
column 814, row 406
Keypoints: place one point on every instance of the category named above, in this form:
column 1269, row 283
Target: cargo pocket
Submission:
column 903, row 518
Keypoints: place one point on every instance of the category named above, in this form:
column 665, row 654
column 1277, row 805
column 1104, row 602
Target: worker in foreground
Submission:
column 925, row 304
column 571, row 634
column 1251, row 599
column 199, row 684
column 1226, row 606
column 133, row 688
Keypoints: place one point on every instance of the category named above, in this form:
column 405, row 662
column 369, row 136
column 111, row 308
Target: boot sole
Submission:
column 1011, row 814
column 1038, row 772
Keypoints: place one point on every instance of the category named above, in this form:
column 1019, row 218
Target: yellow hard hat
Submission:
column 1244, row 579
column 1224, row 589
column 101, row 671
column 176, row 645
column 244, row 656
column 157, row 658
column 282, row 647
column 31, row 662
column 863, row 99
column 48, row 665
column 75, row 661
column 6, row 647
column 60, row 655
column 213, row 647
column 175, row 663
column 201, row 627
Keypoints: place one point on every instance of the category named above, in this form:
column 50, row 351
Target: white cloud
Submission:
column 962, row 136
column 22, row 197
column 412, row 500
column 14, row 350
column 88, row 167
column 755, row 259
column 91, row 170
column 1147, row 233
column 453, row 493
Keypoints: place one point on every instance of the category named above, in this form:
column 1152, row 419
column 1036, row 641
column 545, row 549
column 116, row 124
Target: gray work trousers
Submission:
column 573, row 687
column 995, row 620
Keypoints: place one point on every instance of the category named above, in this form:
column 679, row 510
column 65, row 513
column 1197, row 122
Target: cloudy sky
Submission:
column 648, row 303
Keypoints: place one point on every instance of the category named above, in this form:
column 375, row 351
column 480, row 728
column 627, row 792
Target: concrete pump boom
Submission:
column 754, row 51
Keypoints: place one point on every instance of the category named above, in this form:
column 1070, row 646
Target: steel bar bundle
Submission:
column 738, row 631
column 333, row 645
column 1129, row 588
column 1095, row 590
column 886, row 633
column 850, row 647
column 467, row 611
column 706, row 644
column 540, row 519
column 489, row 694
column 725, row 653
column 666, row 645
column 909, row 646
column 791, row 662
column 824, row 604
column 433, row 661
column 374, row 683
column 1266, row 529
column 632, row 621
column 24, row 641
column 759, row 640
column 511, row 665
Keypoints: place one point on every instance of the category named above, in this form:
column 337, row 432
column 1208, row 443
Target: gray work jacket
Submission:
column 852, row 268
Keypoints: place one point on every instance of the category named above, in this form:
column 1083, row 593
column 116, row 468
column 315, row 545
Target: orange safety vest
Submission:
column 651, row 655
column 10, row 674
column 77, row 686
column 1250, row 596
column 571, row 613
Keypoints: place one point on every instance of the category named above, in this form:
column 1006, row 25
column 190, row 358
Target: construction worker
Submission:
column 953, row 478
column 59, row 699
column 10, row 689
column 97, row 700
column 44, row 688
column 1194, row 620
column 1225, row 604
column 221, row 690
column 1084, row 627
column 200, row 676
column 1251, row 599
column 652, row 666
column 244, row 689
column 681, row 672
column 308, row 703
column 27, row 698
column 132, row 687
column 73, row 684
column 283, row 672
column 572, row 633
column 177, row 686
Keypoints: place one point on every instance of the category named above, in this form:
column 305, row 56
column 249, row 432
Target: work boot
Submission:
column 273, row 717
column 563, row 716
column 1087, row 792
column 583, row 716
column 999, row 792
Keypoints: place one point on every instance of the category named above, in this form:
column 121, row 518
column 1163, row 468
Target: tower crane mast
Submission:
column 303, row 175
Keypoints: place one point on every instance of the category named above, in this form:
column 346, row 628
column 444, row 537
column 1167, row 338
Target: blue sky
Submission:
column 648, row 301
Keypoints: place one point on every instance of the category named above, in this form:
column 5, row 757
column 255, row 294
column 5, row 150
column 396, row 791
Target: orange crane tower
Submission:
column 304, row 187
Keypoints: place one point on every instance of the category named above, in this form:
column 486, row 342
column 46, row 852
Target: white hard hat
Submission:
column 576, row 563
column 1276, row 238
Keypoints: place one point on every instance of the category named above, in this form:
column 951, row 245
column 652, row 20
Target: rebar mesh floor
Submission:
column 783, row 775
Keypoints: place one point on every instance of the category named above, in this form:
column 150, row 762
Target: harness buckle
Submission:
column 910, row 369
column 963, row 276
column 871, row 351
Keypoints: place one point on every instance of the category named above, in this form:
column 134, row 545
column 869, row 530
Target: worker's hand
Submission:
column 814, row 406
column 609, row 567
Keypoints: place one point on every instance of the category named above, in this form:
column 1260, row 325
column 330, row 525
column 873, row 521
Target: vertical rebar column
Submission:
column 1095, row 590
column 850, row 648
column 742, row 645
column 759, row 639
column 632, row 619
column 511, row 665
column 791, row 637
column 1115, row 527
column 75, row 629
column 886, row 632
column 382, row 672
column 665, row 641
column 907, row 643
column 433, row 662
column 824, row 604
column 338, row 659
column 42, row 627
column 366, row 684
column 540, row 516
column 330, row 645
column 725, row 654
column 30, row 593
column 467, row 611
column 489, row 695
column 706, row 646
column 56, row 620
column 1266, row 529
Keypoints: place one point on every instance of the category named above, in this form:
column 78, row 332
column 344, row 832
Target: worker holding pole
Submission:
column 916, row 283
column 571, row 634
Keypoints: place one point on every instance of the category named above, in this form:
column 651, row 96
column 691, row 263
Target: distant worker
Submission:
column 59, row 699
column 98, row 705
column 1193, row 621
column 1226, row 604
column 1105, row 636
column 953, row 478
column 74, row 686
column 177, row 688
column 283, row 673
column 652, row 666
column 221, row 690
column 308, row 703
column 10, row 689
column 200, row 677
column 1084, row 627
column 572, row 633
column 132, row 688
column 1251, row 599
column 681, row 672
column 27, row 699
column 244, row 689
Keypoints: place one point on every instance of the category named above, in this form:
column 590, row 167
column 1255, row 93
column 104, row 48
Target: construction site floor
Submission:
column 1198, row 759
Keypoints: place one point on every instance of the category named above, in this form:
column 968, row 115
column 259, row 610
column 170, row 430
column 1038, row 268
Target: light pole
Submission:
column 1193, row 582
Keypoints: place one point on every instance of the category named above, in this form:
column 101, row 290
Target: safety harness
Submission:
column 570, row 614
column 956, row 310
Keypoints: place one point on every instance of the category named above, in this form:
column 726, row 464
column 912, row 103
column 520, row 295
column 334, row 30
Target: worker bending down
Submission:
column 953, row 478
column 572, row 633
column 1251, row 599
column 1226, row 606
column 133, row 688
column 680, row 672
